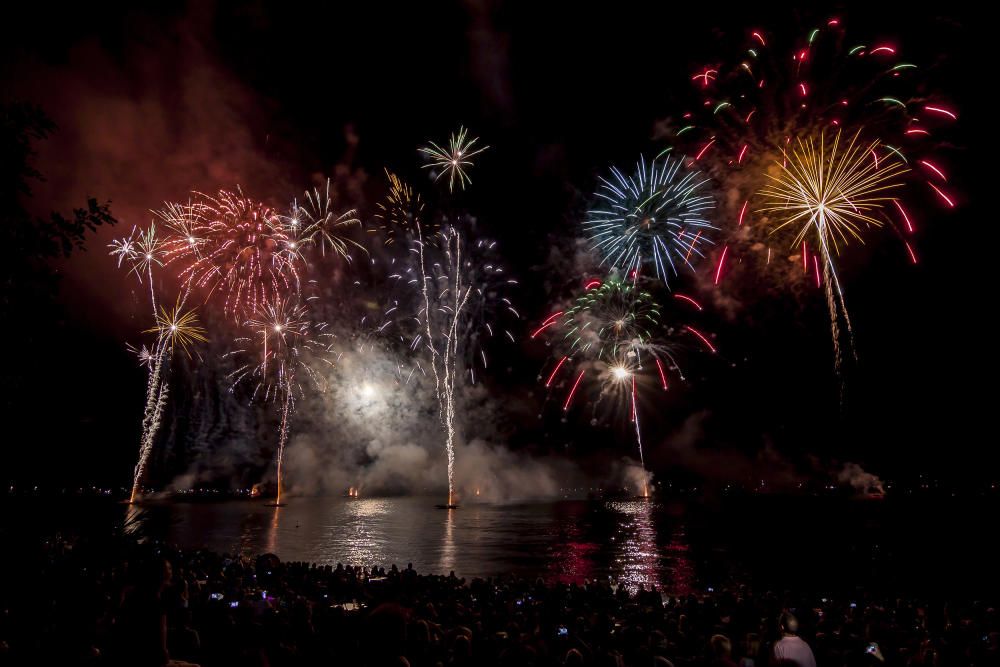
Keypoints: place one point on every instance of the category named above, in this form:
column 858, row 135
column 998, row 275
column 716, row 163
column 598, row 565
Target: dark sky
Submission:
column 155, row 102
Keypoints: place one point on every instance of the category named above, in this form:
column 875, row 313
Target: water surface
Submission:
column 906, row 545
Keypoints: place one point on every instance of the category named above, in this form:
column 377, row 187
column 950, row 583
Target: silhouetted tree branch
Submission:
column 29, row 247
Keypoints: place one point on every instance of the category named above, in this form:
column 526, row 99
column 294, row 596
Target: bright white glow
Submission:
column 620, row 373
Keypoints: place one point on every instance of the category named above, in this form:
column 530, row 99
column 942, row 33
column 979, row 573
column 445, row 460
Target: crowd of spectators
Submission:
column 152, row 605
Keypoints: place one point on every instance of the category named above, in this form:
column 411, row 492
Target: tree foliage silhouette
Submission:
column 30, row 248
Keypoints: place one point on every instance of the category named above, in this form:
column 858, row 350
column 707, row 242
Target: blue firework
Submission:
column 655, row 217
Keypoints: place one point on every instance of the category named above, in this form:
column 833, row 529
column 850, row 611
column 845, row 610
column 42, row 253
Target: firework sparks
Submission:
column 454, row 161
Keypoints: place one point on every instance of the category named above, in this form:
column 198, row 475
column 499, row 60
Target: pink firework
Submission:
column 235, row 247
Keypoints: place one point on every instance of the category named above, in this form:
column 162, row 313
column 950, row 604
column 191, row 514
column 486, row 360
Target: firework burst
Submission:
column 654, row 217
column 613, row 337
column 178, row 328
column 454, row 161
column 124, row 248
column 288, row 341
column 609, row 319
column 187, row 228
column 143, row 250
column 401, row 211
column 234, row 245
column 832, row 194
column 317, row 223
column 763, row 123
column 143, row 355
column 148, row 252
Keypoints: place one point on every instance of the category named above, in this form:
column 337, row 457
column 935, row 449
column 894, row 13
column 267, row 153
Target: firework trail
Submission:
column 142, row 251
column 655, row 216
column 460, row 289
column 283, row 345
column 456, row 293
column 156, row 397
column 613, row 336
column 762, row 123
column 444, row 378
column 176, row 327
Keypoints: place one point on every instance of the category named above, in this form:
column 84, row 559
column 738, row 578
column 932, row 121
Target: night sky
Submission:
column 153, row 103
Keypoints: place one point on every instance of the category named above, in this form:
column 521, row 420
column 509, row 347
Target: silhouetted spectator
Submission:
column 791, row 649
column 721, row 651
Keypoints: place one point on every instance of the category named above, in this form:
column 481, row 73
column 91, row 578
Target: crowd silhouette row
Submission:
column 152, row 605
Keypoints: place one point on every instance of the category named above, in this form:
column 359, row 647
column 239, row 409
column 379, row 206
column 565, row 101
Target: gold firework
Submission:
column 455, row 159
column 833, row 190
column 318, row 223
column 179, row 327
column 402, row 209
column 838, row 193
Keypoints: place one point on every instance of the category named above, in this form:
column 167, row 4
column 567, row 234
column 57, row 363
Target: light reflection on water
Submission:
column 568, row 541
column 680, row 567
column 636, row 554
column 684, row 544
column 448, row 545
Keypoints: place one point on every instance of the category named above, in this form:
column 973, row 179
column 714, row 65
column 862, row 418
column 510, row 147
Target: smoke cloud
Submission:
column 143, row 124
column 862, row 481
column 376, row 428
column 686, row 449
